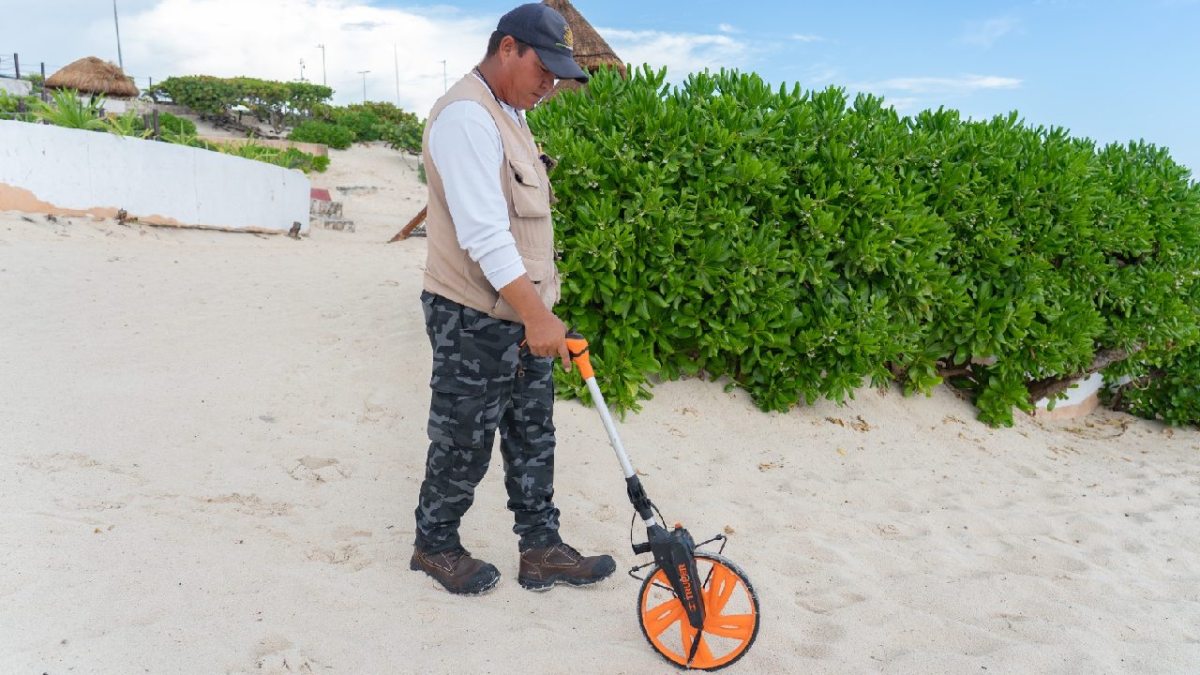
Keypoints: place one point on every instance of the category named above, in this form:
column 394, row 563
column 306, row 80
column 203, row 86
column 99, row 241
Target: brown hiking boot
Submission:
column 456, row 570
column 541, row 568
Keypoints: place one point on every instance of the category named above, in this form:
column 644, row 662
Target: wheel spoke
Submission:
column 735, row 626
column 686, row 634
column 704, row 656
column 660, row 618
column 720, row 589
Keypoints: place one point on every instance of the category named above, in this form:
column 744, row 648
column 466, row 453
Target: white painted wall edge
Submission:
column 47, row 169
column 16, row 87
column 1078, row 393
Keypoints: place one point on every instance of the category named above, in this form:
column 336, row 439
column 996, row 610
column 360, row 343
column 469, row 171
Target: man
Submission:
column 490, row 284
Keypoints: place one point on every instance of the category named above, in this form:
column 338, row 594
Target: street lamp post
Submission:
column 324, row 82
column 364, row 77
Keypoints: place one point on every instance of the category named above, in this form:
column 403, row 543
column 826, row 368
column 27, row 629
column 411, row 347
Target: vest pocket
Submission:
column 544, row 276
column 529, row 199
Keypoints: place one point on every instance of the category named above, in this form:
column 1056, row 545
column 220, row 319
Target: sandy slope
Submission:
column 211, row 443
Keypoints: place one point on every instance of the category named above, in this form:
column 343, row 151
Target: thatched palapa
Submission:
column 591, row 51
column 91, row 75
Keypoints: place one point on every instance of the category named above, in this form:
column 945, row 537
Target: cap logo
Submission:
column 568, row 39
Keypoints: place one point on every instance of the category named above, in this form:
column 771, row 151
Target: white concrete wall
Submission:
column 16, row 87
column 46, row 169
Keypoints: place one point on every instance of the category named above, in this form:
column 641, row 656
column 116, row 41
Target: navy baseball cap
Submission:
column 544, row 29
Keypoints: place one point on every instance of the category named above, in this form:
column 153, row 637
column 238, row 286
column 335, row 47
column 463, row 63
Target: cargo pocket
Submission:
column 457, row 413
column 530, row 199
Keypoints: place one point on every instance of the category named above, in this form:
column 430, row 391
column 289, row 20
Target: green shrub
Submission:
column 799, row 244
column 289, row 158
column 174, row 124
column 375, row 121
column 364, row 123
column 66, row 109
column 314, row 131
column 128, row 124
column 19, row 108
column 1166, row 389
column 269, row 101
column 405, row 135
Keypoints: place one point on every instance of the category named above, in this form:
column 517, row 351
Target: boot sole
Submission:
column 482, row 591
column 543, row 585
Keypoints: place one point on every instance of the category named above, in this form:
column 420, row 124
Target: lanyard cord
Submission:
column 520, row 118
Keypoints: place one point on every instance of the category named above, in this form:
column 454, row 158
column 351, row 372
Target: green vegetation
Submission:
column 800, row 244
column 372, row 121
column 303, row 105
column 168, row 123
column 275, row 103
column 67, row 110
column 129, row 124
column 289, row 158
column 18, row 108
column 316, row 131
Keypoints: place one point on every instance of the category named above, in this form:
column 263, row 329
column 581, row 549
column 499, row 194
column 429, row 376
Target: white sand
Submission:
column 211, row 445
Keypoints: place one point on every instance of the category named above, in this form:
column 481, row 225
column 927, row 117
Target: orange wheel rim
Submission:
column 730, row 616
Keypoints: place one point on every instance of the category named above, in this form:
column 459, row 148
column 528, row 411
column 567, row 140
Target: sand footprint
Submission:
column 820, row 638
column 374, row 408
column 275, row 655
column 828, row 601
column 346, row 551
column 251, row 504
column 319, row 470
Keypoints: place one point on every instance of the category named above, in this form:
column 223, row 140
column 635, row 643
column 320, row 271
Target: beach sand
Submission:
column 211, row 445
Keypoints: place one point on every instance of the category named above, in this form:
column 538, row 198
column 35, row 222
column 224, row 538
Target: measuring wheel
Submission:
column 730, row 616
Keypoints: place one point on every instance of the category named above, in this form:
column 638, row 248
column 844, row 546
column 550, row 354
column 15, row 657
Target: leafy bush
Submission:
column 1166, row 389
column 314, row 131
column 66, row 109
column 405, row 135
column 799, row 244
column 289, row 158
column 128, row 124
column 269, row 101
column 175, row 124
column 365, row 124
column 19, row 108
column 374, row 121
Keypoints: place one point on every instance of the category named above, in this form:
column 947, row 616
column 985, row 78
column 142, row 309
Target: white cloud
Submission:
column 987, row 33
column 820, row 75
column 681, row 53
column 728, row 28
column 941, row 85
column 268, row 38
column 229, row 38
column 800, row 37
column 904, row 104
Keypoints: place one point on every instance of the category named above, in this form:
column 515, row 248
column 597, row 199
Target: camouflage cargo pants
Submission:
column 482, row 381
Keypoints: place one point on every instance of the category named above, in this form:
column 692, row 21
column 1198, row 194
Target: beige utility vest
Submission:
column 449, row 271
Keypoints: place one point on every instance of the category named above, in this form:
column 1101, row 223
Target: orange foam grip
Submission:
column 578, row 346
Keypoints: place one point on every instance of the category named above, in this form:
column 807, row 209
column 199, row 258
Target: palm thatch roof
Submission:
column 591, row 51
column 91, row 75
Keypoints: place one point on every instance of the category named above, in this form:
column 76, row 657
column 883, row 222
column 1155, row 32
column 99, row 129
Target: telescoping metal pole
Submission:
column 577, row 345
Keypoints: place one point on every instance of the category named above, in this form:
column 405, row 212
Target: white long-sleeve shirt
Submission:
column 465, row 146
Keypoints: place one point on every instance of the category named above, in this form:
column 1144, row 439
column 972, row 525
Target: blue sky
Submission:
column 1111, row 70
